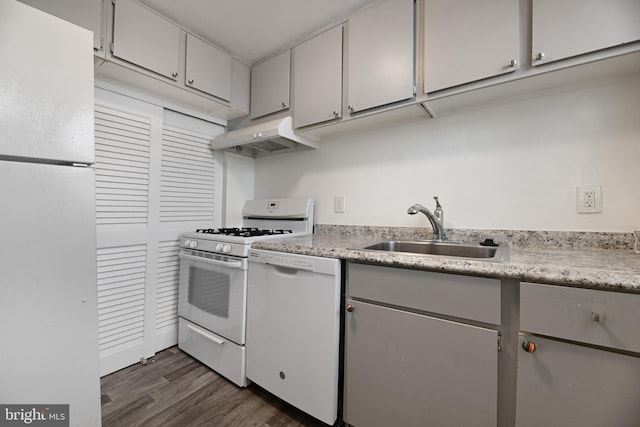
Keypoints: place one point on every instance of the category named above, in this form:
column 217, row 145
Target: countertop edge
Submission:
column 550, row 265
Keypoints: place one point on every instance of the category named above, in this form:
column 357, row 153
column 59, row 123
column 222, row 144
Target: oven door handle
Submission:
column 206, row 335
column 230, row 264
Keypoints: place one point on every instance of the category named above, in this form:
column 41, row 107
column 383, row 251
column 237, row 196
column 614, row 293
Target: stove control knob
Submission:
column 193, row 244
column 187, row 243
column 226, row 249
column 219, row 247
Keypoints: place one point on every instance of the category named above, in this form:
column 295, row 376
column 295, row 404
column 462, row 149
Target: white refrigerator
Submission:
column 48, row 291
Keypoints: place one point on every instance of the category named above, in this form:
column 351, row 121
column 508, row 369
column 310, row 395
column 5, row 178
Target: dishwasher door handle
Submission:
column 206, row 335
column 285, row 271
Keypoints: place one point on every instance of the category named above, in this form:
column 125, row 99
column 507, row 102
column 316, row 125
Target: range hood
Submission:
column 264, row 139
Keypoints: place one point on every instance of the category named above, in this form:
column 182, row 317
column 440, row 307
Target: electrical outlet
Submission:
column 589, row 199
column 338, row 204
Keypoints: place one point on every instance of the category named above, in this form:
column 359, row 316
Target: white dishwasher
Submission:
column 293, row 329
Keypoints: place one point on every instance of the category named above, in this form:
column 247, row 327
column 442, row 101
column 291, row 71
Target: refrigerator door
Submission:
column 48, row 291
column 46, row 86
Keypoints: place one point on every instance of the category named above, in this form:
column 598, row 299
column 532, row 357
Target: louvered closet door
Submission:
column 122, row 167
column 155, row 179
column 124, row 137
column 189, row 198
column 188, row 180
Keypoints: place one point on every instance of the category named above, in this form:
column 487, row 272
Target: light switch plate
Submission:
column 338, row 204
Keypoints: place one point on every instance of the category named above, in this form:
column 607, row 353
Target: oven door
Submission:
column 212, row 292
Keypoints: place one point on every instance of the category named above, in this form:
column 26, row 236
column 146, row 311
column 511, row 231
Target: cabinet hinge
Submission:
column 499, row 342
column 415, row 90
column 111, row 47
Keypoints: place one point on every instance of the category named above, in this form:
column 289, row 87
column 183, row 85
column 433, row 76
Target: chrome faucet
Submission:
column 436, row 218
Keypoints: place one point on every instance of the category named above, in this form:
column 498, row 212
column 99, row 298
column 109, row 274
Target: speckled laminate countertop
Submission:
column 610, row 268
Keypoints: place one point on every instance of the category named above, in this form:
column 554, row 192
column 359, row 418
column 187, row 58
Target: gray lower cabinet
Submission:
column 404, row 367
column 583, row 367
column 566, row 384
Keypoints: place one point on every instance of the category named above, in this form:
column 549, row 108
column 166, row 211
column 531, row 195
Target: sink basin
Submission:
column 449, row 249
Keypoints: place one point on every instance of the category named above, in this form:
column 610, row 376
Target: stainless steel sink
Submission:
column 449, row 249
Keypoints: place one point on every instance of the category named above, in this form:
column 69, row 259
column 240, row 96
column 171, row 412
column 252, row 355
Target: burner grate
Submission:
column 243, row 232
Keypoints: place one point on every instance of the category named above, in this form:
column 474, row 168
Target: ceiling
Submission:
column 251, row 30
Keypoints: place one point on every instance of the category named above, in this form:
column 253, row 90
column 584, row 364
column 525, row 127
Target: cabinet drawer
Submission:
column 474, row 298
column 603, row 318
column 223, row 356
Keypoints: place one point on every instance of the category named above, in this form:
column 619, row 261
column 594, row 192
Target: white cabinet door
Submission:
column 467, row 40
column 406, row 369
column 208, row 68
column 145, row 39
column 85, row 13
column 381, row 55
column 317, row 79
column 563, row 384
column 270, row 85
column 561, row 29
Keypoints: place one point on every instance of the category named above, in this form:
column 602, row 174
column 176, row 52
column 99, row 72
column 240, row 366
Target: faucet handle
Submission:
column 437, row 202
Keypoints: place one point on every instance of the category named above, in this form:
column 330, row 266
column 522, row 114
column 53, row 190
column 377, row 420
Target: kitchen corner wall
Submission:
column 511, row 166
column 239, row 177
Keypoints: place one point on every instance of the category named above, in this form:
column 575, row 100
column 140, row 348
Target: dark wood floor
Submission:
column 177, row 390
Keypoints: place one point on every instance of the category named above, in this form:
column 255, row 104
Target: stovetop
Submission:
column 263, row 219
column 243, row 232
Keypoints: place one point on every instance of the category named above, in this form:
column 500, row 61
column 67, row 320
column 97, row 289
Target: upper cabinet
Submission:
column 561, row 29
column 270, row 85
column 159, row 57
column 380, row 57
column 86, row 14
column 208, row 69
column 145, row 39
column 317, row 82
column 459, row 53
column 468, row 40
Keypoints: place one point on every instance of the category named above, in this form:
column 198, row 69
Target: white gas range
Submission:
column 212, row 296
column 263, row 219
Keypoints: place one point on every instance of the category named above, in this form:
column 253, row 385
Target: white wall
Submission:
column 513, row 166
column 239, row 186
